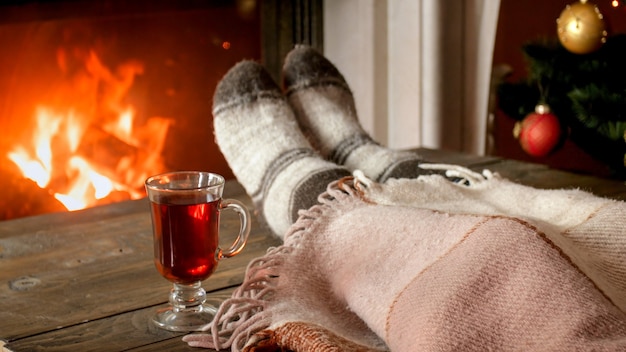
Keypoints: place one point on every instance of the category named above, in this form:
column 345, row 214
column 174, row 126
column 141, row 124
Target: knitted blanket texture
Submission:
column 430, row 265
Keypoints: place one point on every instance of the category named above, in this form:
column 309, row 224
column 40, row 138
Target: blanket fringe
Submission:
column 245, row 313
column 466, row 175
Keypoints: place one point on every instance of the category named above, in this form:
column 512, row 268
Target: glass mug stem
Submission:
column 186, row 209
column 187, row 297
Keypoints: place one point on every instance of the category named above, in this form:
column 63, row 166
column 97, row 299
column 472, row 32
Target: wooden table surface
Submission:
column 85, row 280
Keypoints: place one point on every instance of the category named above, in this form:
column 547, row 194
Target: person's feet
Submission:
column 257, row 132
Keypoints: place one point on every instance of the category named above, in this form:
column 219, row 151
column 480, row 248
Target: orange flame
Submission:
column 54, row 159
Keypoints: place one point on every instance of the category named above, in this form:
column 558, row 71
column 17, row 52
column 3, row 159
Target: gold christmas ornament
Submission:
column 581, row 28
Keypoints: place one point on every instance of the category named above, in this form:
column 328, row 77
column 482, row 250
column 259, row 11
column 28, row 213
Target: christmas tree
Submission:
column 585, row 91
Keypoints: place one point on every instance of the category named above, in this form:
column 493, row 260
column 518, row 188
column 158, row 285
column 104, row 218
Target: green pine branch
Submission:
column 586, row 92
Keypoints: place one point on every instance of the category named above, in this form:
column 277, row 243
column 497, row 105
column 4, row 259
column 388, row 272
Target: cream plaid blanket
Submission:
column 429, row 265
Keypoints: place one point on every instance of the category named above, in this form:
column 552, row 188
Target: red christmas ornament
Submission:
column 539, row 132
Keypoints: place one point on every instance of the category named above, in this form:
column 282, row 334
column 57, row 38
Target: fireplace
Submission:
column 97, row 95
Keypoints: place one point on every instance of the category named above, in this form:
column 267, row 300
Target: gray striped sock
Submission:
column 325, row 110
column 260, row 139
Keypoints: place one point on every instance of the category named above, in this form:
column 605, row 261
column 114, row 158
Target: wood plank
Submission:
column 119, row 332
column 170, row 345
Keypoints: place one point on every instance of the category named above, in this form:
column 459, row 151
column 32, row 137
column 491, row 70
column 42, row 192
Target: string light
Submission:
column 618, row 4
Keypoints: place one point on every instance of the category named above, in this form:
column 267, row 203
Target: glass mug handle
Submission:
column 244, row 228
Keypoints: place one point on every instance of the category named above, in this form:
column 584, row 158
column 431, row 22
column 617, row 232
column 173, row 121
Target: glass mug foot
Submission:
column 189, row 309
column 184, row 320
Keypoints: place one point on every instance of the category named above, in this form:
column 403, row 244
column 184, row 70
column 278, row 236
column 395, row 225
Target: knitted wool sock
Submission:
column 260, row 139
column 325, row 109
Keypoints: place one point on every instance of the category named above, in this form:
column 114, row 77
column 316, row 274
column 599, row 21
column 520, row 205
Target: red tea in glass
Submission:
column 185, row 240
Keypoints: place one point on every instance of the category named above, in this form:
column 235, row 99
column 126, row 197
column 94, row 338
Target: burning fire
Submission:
column 85, row 159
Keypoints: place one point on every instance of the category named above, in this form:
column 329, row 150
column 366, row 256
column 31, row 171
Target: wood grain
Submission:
column 120, row 332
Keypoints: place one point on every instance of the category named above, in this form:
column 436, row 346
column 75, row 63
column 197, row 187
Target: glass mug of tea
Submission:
column 186, row 208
